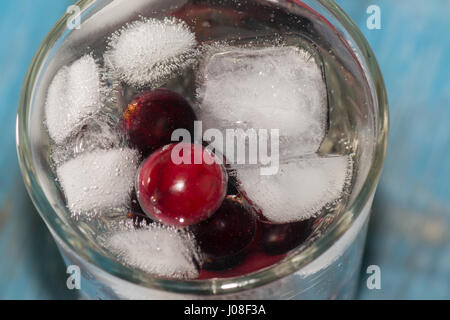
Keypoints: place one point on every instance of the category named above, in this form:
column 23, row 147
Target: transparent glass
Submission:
column 326, row 267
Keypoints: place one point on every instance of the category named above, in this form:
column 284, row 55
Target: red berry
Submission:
column 254, row 261
column 181, row 193
column 281, row 238
column 233, row 188
column 150, row 119
column 226, row 233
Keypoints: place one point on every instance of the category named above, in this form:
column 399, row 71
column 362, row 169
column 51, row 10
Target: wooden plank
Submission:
column 409, row 233
column 30, row 265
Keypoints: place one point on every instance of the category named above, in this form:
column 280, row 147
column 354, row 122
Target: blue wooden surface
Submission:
column 409, row 237
column 409, row 233
column 30, row 265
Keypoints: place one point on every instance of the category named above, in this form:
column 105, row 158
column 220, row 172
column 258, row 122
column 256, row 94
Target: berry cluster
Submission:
column 198, row 194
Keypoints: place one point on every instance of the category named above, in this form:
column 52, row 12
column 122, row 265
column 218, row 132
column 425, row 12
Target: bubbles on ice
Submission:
column 75, row 93
column 300, row 189
column 270, row 88
column 98, row 180
column 95, row 134
column 149, row 49
column 164, row 251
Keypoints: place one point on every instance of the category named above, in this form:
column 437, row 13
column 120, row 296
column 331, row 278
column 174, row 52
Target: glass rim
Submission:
column 209, row 286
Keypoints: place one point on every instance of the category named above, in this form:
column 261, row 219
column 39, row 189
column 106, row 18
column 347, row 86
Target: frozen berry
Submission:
column 150, row 119
column 280, row 238
column 227, row 232
column 181, row 184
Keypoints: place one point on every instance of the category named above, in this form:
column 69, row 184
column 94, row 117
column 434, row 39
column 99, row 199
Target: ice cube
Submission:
column 96, row 134
column 270, row 88
column 146, row 50
column 300, row 189
column 98, row 180
column 156, row 249
column 74, row 94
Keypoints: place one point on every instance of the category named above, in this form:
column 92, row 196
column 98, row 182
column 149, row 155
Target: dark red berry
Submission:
column 232, row 188
column 281, row 238
column 227, row 232
column 150, row 119
column 181, row 184
column 222, row 263
column 254, row 261
column 202, row 19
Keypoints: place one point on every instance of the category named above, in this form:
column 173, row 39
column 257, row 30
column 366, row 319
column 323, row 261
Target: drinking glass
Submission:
column 327, row 266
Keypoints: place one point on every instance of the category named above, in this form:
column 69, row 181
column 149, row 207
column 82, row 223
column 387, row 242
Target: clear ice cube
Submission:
column 270, row 88
column 75, row 93
column 160, row 250
column 147, row 50
column 98, row 180
column 300, row 189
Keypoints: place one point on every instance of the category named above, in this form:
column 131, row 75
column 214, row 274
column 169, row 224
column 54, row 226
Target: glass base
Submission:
column 333, row 275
